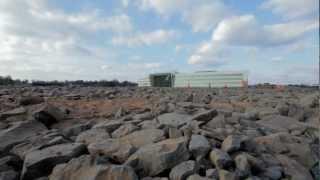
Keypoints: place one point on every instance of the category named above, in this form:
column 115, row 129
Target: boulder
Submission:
column 153, row 159
column 88, row 168
column 9, row 175
column 48, row 115
column 205, row 116
column 220, row 159
column 174, row 119
column 231, row 144
column 284, row 143
column 108, row 126
column 216, row 122
column 92, row 135
column 272, row 173
column 31, row 100
column 41, row 162
column 76, row 129
column 226, row 175
column 292, row 169
column 199, row 146
column 124, row 130
column 198, row 177
column 112, row 148
column 242, row 165
column 18, row 133
column 20, row 111
column 143, row 137
column 183, row 170
column 279, row 123
column 310, row 100
column 10, row 163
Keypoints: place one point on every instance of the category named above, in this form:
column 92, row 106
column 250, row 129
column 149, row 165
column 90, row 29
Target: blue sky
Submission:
column 276, row 41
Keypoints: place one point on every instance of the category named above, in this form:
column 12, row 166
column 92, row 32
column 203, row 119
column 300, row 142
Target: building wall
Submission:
column 145, row 82
column 211, row 79
column 204, row 79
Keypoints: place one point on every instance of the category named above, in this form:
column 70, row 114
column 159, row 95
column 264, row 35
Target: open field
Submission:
column 96, row 133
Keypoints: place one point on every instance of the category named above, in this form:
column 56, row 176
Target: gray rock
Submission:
column 273, row 173
column 92, row 135
column 112, row 148
column 198, row 177
column 220, row 159
column 231, row 144
column 217, row 122
column 76, row 129
column 143, row 137
column 174, row 132
column 152, row 159
column 49, row 115
column 40, row 163
column 205, row 116
column 293, row 169
column 124, row 130
column 174, row 119
column 310, row 101
column 183, row 170
column 108, row 126
column 243, row 165
column 18, row 133
column 199, row 146
column 226, row 175
column 14, row 112
column 31, row 100
column 9, row 175
column 87, row 168
column 212, row 173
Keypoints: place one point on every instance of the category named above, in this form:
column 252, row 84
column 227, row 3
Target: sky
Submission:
column 275, row 41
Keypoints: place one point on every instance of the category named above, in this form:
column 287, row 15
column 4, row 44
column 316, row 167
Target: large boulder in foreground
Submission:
column 18, row 133
column 153, row 159
column 49, row 114
column 41, row 162
column 87, row 168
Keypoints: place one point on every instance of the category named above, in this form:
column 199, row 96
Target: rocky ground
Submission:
column 91, row 133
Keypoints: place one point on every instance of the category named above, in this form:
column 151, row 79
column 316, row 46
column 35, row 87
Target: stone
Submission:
column 273, row 172
column 279, row 123
column 124, row 130
column 143, row 137
column 284, row 143
column 174, row 119
column 310, row 100
column 18, row 133
column 198, row 177
column 76, row 129
column 205, row 116
column 9, row 175
column 31, row 100
column 199, row 146
column 108, row 126
column 292, row 169
column 174, row 132
column 153, row 159
column 92, row 135
column 212, row 173
column 183, row 170
column 220, row 159
column 48, row 115
column 10, row 162
column 112, row 148
column 88, row 168
column 243, row 165
column 231, row 144
column 14, row 112
column 41, row 162
column 216, row 122
column 226, row 175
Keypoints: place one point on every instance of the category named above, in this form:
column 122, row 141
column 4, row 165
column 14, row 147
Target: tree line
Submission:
column 7, row 80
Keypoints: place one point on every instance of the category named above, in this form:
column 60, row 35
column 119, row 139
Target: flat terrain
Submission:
column 97, row 133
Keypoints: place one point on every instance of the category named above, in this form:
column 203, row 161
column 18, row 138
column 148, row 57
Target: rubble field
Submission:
column 131, row 133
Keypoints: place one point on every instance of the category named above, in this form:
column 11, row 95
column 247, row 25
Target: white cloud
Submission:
column 202, row 15
column 246, row 31
column 155, row 37
column 292, row 8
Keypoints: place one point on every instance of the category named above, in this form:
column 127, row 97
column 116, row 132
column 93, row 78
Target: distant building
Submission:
column 196, row 79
